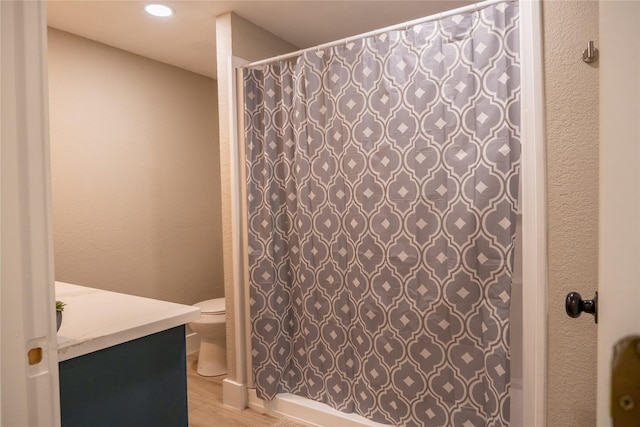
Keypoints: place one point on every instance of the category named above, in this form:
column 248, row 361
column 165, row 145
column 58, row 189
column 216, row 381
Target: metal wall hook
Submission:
column 590, row 54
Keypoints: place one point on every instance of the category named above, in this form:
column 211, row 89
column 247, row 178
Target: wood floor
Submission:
column 206, row 408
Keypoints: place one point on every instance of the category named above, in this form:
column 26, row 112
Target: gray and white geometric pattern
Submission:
column 382, row 184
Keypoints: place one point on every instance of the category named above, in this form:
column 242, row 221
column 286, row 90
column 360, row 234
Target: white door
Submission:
column 619, row 276
column 28, row 355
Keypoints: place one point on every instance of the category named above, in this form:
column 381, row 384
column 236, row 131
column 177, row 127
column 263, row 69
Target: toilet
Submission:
column 211, row 327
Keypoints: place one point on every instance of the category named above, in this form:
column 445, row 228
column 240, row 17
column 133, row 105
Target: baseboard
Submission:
column 193, row 342
column 234, row 394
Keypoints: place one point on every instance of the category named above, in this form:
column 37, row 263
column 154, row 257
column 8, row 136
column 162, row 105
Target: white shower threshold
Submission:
column 307, row 411
column 318, row 414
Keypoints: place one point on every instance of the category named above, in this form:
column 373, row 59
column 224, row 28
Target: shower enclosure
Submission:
column 382, row 209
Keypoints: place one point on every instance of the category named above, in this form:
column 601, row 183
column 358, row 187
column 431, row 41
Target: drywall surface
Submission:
column 253, row 43
column 135, row 173
column 571, row 88
column 237, row 37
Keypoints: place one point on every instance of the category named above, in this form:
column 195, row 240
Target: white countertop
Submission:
column 94, row 319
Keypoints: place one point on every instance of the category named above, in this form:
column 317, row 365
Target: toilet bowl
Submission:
column 212, row 358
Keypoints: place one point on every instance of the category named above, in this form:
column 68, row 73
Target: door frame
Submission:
column 534, row 216
column 619, row 182
column 30, row 391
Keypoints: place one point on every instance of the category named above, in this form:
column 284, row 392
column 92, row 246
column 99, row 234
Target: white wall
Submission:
column 135, row 173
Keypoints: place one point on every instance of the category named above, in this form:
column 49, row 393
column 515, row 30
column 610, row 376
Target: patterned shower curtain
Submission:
column 382, row 182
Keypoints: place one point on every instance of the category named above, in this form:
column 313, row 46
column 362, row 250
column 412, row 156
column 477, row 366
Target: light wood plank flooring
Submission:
column 206, row 408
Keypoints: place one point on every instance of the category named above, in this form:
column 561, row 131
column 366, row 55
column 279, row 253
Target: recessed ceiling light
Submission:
column 158, row 10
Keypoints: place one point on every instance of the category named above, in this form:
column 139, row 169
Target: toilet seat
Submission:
column 211, row 306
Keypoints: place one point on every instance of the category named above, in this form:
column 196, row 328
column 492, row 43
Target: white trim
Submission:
column 238, row 227
column 534, row 227
column 243, row 279
column 236, row 213
column 234, row 394
column 28, row 315
column 192, row 342
column 237, row 222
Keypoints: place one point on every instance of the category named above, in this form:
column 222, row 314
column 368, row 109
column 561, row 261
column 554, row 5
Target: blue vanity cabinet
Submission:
column 139, row 383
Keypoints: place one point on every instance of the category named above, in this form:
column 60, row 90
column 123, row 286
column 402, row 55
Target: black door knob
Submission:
column 575, row 305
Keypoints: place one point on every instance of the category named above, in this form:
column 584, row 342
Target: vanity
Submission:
column 122, row 359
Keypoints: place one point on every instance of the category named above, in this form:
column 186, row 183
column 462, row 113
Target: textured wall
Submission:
column 571, row 88
column 235, row 36
column 135, row 173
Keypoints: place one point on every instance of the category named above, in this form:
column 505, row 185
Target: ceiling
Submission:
column 188, row 38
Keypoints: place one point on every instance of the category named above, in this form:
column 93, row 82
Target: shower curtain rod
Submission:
column 446, row 14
